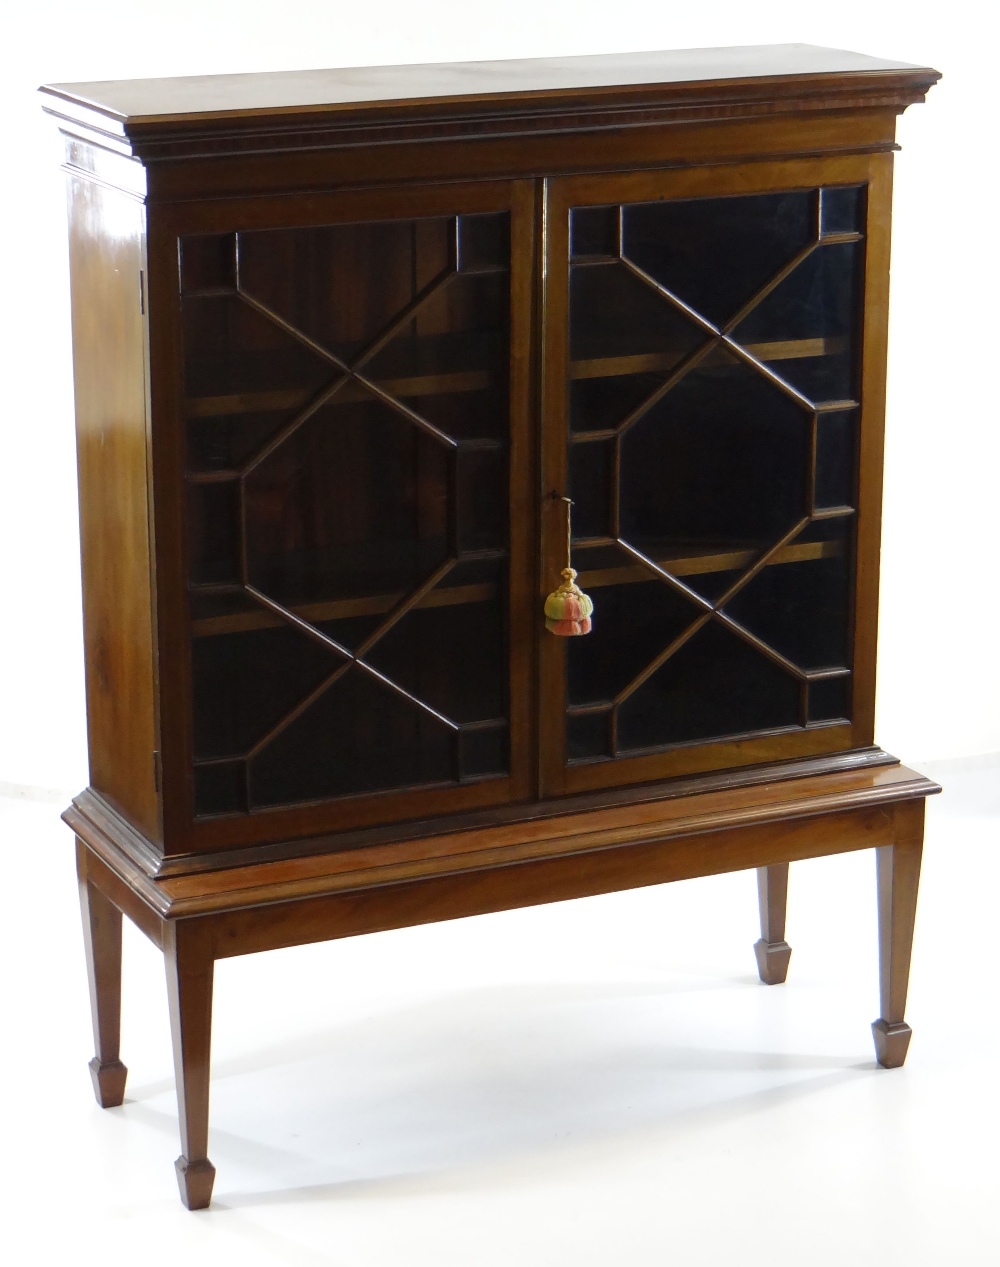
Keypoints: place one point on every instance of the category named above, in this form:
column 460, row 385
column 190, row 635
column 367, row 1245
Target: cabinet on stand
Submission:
column 346, row 344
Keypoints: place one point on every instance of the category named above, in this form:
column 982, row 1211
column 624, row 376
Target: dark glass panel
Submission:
column 363, row 501
column 236, row 359
column 359, row 736
column 484, row 241
column 244, row 378
column 450, row 363
column 716, row 253
column 593, row 231
column 208, row 262
column 830, row 699
column 342, row 285
column 483, row 752
column 715, row 685
column 717, row 466
column 832, row 534
column 588, row 735
column 225, row 441
column 591, row 473
column 354, row 503
column 481, row 499
column 451, row 654
column 214, row 533
column 632, row 623
column 599, row 401
column 220, row 789
column 842, row 209
column 351, row 622
column 806, row 329
column 244, row 683
column 718, row 470
column 836, row 461
column 227, row 604
column 615, row 316
column 802, row 608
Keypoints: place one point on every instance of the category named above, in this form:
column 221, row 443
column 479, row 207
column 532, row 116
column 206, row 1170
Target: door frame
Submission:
column 183, row 832
column 557, row 776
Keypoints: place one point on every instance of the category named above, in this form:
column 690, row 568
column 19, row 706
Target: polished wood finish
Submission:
column 190, row 968
column 102, row 939
column 898, row 869
column 772, row 951
column 106, row 274
column 157, row 163
column 701, row 75
column 214, row 915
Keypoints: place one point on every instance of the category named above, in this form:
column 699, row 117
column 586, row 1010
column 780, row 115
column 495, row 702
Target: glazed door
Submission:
column 354, row 398
column 709, row 389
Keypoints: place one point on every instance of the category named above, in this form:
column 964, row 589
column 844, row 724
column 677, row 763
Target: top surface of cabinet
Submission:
column 156, row 100
column 285, row 110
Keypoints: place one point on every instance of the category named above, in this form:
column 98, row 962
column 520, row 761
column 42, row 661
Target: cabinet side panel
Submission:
column 106, row 245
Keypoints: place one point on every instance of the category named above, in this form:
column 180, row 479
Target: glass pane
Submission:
column 245, row 682
column 842, row 209
column 805, row 329
column 716, row 468
column 638, row 619
column 449, row 651
column 716, row 685
column 244, row 378
column 347, row 423
column 716, row 253
column 836, row 460
column 715, row 346
column 830, row 699
column 359, row 736
column 800, row 607
column 355, row 502
column 624, row 342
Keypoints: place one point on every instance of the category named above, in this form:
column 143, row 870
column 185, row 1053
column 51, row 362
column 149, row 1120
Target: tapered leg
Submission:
column 190, row 972
column 102, row 937
column 772, row 951
column 898, row 868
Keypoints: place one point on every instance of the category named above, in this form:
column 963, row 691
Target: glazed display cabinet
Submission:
column 352, row 351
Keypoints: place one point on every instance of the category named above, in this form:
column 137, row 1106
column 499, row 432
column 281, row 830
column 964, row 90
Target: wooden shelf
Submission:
column 339, row 609
column 291, row 399
column 662, row 362
column 693, row 561
column 697, row 561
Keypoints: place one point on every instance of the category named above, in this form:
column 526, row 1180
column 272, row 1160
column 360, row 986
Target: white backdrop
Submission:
column 939, row 693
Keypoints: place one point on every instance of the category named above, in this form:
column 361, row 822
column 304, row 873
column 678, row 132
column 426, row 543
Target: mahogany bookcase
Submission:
column 344, row 341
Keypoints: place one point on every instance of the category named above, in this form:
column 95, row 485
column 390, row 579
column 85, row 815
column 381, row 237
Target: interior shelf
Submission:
column 662, row 362
column 337, row 609
column 297, row 398
column 442, row 384
column 691, row 561
column 700, row 560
